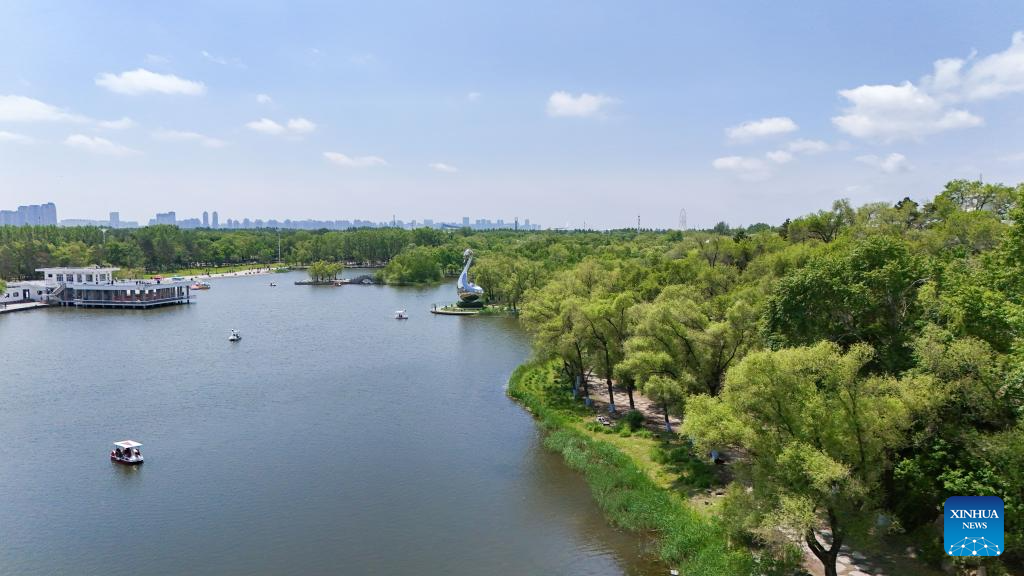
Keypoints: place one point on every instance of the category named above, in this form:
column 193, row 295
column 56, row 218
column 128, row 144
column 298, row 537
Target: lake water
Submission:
column 333, row 439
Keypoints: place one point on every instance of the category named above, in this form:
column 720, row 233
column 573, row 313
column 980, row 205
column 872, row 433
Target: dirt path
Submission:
column 651, row 411
column 851, row 562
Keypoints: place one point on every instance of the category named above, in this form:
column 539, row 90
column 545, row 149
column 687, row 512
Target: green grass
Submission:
column 630, row 499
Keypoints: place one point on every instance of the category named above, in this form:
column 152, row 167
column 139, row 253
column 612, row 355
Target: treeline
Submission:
column 860, row 364
column 166, row 248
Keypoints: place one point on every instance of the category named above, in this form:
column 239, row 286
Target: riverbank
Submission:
column 620, row 471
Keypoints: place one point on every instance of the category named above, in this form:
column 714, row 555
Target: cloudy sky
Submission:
column 563, row 112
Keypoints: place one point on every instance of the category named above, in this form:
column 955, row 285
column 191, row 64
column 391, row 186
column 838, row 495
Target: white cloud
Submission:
column 24, row 109
column 887, row 113
column 584, row 105
column 745, row 168
column 264, row 99
column 222, row 60
column 294, row 126
column 266, row 126
column 141, row 81
column 301, row 126
column 442, row 167
column 779, row 156
column 123, row 124
column 993, row 76
column 808, row 146
column 761, row 128
column 354, row 161
column 891, row 164
column 12, row 137
column 473, row 96
column 98, row 145
column 180, row 136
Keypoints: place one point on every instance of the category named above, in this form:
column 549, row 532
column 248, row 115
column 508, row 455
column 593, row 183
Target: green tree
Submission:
column 865, row 291
column 819, row 436
column 666, row 392
column 605, row 321
column 682, row 336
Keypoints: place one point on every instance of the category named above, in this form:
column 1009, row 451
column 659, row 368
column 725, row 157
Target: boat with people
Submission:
column 126, row 452
column 235, row 336
column 401, row 315
column 273, row 284
column 198, row 285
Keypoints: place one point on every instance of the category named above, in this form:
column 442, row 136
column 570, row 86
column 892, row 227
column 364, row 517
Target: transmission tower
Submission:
column 682, row 218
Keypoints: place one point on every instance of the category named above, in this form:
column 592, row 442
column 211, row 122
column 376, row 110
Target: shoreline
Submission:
column 623, row 487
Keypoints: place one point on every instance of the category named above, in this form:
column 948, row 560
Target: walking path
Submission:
column 850, row 562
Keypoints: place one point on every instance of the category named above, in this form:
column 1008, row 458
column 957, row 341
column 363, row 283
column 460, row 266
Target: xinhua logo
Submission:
column 973, row 526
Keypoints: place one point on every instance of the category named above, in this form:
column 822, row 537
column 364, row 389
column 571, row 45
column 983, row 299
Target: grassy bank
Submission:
column 698, row 545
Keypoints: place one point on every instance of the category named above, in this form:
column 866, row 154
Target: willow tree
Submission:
column 818, row 436
column 605, row 326
column 553, row 319
column 685, row 337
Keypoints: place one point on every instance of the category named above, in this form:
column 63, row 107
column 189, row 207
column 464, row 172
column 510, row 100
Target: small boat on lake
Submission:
column 197, row 285
column 401, row 315
column 273, row 284
column 126, row 452
column 235, row 336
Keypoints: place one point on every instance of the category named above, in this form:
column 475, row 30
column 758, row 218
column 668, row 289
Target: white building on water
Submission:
column 96, row 287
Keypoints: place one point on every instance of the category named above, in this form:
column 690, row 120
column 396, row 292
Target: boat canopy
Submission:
column 126, row 444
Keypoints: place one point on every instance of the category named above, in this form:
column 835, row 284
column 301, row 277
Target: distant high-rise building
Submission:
column 115, row 220
column 206, row 219
column 165, row 218
column 216, row 221
column 49, row 214
column 31, row 215
column 465, row 221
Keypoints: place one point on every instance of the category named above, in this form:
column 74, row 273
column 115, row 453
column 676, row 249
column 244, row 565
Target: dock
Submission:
column 19, row 306
column 456, row 312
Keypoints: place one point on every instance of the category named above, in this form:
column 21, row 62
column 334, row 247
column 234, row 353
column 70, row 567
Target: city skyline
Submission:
column 46, row 215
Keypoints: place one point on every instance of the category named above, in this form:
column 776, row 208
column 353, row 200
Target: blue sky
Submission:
column 565, row 113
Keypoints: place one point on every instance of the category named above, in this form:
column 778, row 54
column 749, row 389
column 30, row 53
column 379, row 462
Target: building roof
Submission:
column 77, row 269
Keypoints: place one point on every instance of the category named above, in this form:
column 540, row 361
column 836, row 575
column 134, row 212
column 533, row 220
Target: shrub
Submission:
column 634, row 419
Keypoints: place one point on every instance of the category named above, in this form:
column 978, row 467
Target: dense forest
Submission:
column 862, row 364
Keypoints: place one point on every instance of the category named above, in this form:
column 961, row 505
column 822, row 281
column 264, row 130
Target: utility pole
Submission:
column 637, row 223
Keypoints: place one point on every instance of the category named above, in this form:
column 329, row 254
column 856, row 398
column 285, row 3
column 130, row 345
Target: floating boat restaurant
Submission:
column 96, row 288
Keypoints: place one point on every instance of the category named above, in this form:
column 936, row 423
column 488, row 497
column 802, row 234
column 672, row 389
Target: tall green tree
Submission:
column 819, row 436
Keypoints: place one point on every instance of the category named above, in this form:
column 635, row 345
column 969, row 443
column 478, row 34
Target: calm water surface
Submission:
column 332, row 439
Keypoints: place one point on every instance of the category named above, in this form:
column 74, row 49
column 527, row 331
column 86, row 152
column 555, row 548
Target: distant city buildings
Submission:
column 46, row 215
column 164, row 218
column 248, row 223
column 31, row 215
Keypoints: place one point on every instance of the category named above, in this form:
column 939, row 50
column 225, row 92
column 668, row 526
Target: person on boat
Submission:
column 119, row 453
